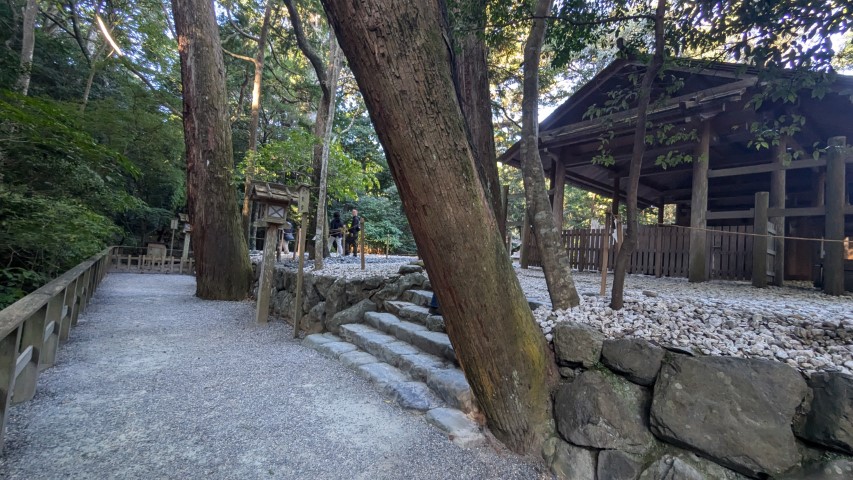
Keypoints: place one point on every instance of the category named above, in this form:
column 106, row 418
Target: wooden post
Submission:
column 558, row 184
column 507, row 233
column 777, row 200
column 659, row 242
column 51, row 333
column 699, row 207
column 300, row 251
column 361, row 242
column 759, row 242
column 525, row 240
column 836, row 200
column 262, row 311
column 186, row 253
column 8, row 364
column 605, row 252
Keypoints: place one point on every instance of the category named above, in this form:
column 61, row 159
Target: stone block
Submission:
column 336, row 298
column 413, row 396
column 828, row 419
column 357, row 358
column 353, row 314
column 635, row 358
column 827, row 469
column 677, row 464
column 315, row 340
column 603, row 410
column 569, row 461
column 381, row 321
column 335, row 349
column 450, row 384
column 462, row 430
column 618, row 465
column 735, row 411
column 381, row 374
column 577, row 344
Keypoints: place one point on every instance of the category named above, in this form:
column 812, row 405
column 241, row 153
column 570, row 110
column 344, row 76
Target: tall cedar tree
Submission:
column 222, row 259
column 398, row 52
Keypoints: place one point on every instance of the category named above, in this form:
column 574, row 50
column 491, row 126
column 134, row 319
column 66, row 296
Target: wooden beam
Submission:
column 836, row 200
column 699, row 206
column 767, row 167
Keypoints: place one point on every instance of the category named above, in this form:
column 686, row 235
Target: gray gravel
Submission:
column 156, row 383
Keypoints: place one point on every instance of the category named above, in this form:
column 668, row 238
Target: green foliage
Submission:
column 385, row 222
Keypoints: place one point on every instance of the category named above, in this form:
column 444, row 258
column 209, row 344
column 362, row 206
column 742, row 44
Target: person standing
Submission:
column 336, row 234
column 352, row 236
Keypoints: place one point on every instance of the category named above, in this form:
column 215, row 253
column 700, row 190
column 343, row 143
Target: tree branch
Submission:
column 130, row 66
column 72, row 6
column 313, row 57
column 237, row 27
column 238, row 56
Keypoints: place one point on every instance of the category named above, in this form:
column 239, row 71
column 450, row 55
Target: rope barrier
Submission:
column 758, row 234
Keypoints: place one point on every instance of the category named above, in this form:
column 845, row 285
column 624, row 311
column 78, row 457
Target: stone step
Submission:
column 446, row 381
column 418, row 297
column 416, row 314
column 434, row 343
column 413, row 395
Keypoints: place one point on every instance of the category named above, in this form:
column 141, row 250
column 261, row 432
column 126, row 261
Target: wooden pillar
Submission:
column 699, row 206
column 8, row 364
column 304, row 204
column 505, row 213
column 659, row 241
column 525, row 240
column 759, row 241
column 558, row 184
column 605, row 252
column 262, row 311
column 836, row 200
column 777, row 200
column 614, row 204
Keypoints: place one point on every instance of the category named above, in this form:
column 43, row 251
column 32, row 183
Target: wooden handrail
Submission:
column 32, row 327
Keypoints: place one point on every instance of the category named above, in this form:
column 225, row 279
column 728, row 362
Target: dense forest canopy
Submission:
column 92, row 154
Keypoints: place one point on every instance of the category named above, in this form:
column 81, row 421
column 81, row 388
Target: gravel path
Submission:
column 156, row 383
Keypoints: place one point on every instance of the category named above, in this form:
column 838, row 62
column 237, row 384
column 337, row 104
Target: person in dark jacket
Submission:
column 336, row 234
column 352, row 234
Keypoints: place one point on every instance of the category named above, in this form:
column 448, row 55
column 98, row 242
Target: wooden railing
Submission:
column 143, row 259
column 32, row 328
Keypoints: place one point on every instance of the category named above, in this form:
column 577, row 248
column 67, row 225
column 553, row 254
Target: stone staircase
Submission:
column 405, row 351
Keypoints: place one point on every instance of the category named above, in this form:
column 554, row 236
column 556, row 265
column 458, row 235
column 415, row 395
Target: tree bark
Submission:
column 471, row 75
column 256, row 113
column 28, row 42
column 320, row 230
column 555, row 260
column 222, row 260
column 620, row 268
column 402, row 63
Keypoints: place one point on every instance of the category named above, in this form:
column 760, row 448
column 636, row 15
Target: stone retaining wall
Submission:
column 329, row 302
column 629, row 409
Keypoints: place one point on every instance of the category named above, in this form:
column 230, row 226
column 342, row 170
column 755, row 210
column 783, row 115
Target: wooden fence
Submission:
column 32, row 328
column 141, row 260
column 662, row 250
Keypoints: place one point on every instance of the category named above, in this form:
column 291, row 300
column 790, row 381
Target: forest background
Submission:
column 91, row 148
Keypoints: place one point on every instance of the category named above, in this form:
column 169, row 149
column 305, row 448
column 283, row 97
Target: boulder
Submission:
column 603, row 410
column 353, row 314
column 570, row 462
column 677, row 464
column 358, row 289
column 322, row 283
column 282, row 303
column 830, row 469
column 635, row 358
column 280, row 279
column 336, row 297
column 312, row 322
column 735, row 411
column 577, row 344
column 411, row 268
column 395, row 287
column 617, row 465
column 828, row 420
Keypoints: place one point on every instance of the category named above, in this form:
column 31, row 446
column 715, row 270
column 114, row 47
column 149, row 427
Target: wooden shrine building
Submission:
column 708, row 111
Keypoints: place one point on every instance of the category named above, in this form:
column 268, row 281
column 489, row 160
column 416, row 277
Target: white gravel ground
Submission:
column 156, row 383
column 797, row 324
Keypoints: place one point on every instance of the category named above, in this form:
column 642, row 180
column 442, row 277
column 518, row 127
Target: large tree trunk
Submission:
column 468, row 23
column 320, row 230
column 28, row 42
column 254, row 120
column 620, row 268
column 398, row 53
column 222, row 260
column 555, row 260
